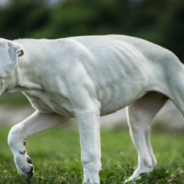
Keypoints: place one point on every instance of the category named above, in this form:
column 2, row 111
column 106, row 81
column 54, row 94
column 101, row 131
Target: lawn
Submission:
column 56, row 158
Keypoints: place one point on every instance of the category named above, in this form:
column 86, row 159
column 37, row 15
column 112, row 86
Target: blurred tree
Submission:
column 20, row 19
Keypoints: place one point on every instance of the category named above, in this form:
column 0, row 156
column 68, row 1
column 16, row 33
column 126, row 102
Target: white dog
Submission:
column 87, row 77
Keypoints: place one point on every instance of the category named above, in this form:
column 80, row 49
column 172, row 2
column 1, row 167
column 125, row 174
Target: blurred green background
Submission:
column 159, row 21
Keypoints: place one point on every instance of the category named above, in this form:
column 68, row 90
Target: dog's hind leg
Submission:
column 140, row 116
column 33, row 125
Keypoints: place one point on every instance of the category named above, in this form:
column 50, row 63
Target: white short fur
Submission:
column 85, row 77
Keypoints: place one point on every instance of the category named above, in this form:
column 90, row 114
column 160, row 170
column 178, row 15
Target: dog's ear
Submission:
column 9, row 53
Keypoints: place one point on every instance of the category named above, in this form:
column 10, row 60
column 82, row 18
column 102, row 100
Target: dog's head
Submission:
column 9, row 53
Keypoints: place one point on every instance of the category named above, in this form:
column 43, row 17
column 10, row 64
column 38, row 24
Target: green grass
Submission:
column 56, row 158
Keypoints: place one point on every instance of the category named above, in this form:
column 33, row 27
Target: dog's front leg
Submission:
column 89, row 124
column 35, row 124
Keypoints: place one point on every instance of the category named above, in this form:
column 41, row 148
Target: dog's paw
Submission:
column 137, row 175
column 91, row 180
column 132, row 180
column 24, row 165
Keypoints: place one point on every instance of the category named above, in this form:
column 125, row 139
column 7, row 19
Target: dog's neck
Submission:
column 22, row 78
column 10, row 82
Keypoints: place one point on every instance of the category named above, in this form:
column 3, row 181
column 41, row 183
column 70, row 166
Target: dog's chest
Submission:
column 48, row 103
